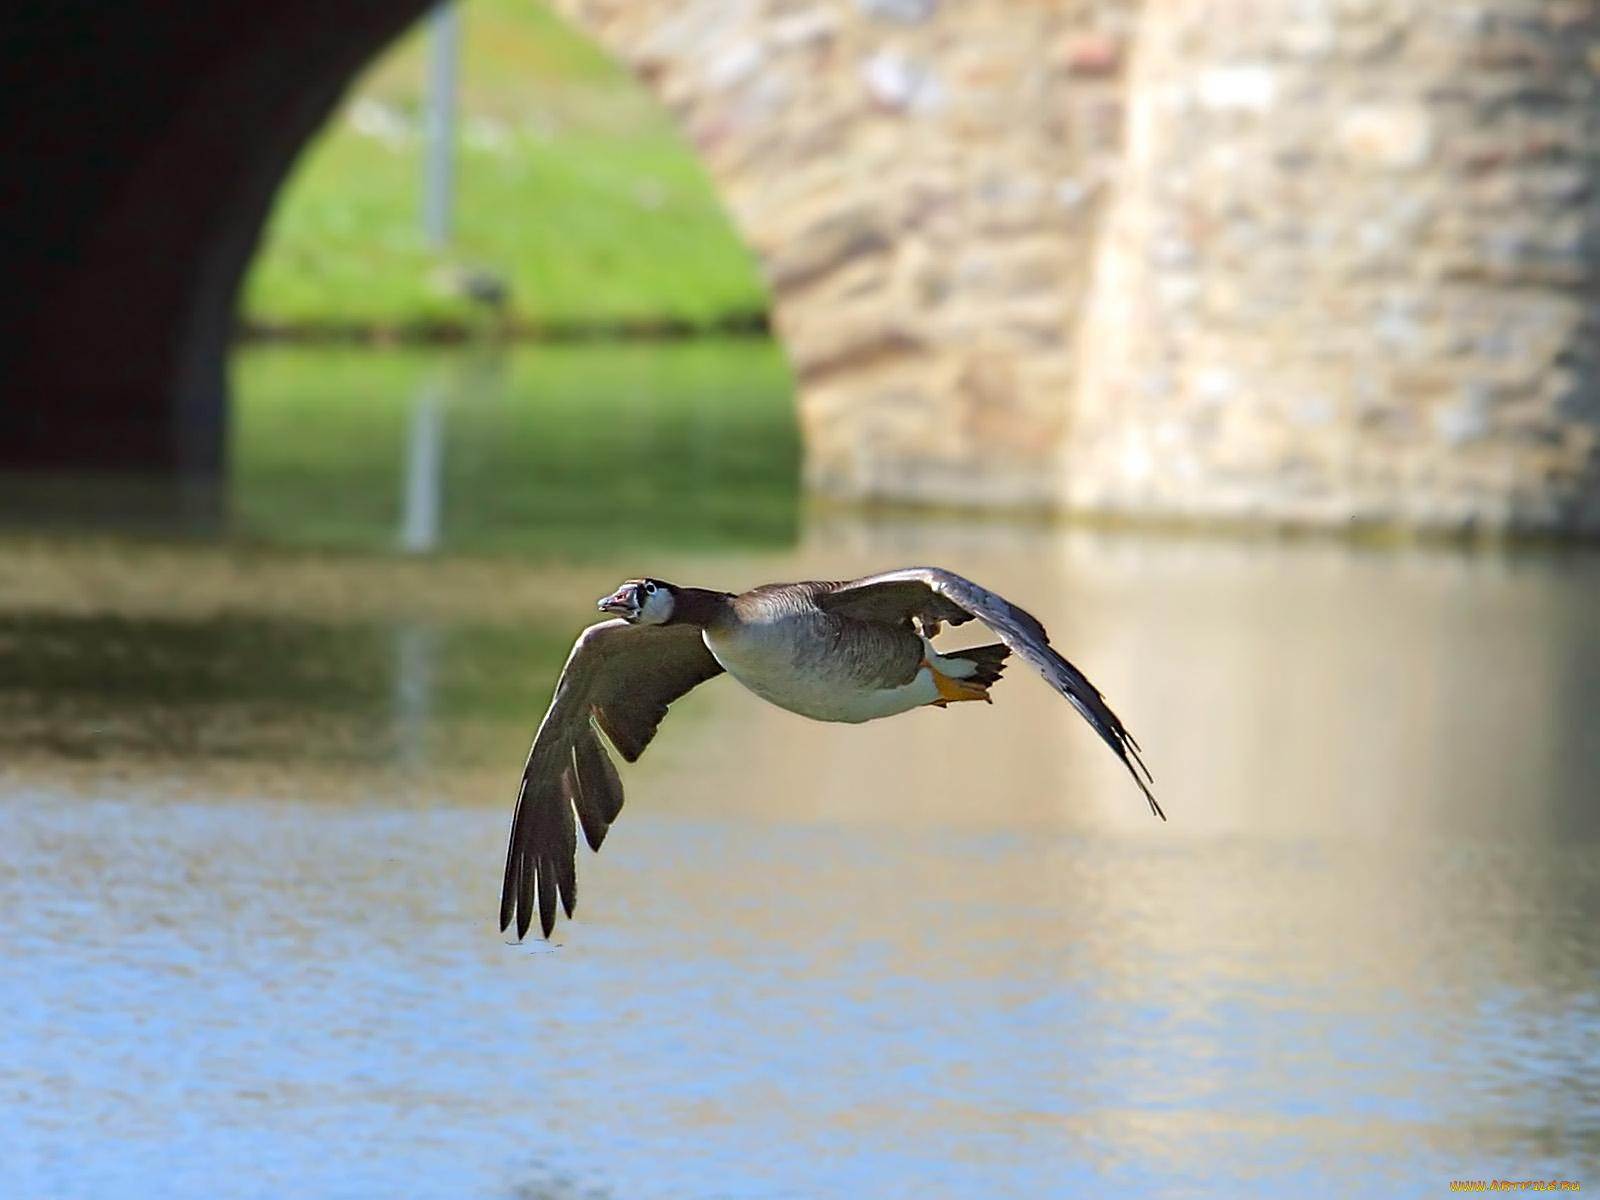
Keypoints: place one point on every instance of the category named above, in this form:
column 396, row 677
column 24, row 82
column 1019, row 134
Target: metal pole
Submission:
column 444, row 44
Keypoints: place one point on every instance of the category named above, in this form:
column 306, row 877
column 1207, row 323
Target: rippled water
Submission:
column 254, row 810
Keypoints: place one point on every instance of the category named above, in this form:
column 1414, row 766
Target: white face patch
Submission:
column 657, row 605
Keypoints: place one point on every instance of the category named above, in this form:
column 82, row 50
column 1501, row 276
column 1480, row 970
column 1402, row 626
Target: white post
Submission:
column 439, row 122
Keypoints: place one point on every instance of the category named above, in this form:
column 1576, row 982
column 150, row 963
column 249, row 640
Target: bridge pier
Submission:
column 1351, row 272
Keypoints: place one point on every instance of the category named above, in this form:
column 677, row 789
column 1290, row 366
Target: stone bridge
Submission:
column 1327, row 262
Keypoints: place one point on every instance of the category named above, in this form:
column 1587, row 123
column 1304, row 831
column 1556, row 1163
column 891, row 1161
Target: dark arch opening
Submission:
column 144, row 146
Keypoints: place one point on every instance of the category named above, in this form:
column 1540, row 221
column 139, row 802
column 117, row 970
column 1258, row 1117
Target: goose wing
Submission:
column 931, row 594
column 619, row 680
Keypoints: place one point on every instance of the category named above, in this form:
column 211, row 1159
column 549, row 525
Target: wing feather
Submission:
column 934, row 594
column 621, row 678
column 599, row 791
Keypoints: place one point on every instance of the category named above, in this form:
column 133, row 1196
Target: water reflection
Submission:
column 554, row 452
column 416, row 654
column 253, row 842
column 424, row 485
column 242, row 687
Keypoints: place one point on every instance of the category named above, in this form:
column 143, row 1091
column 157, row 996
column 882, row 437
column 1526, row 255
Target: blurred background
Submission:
column 349, row 357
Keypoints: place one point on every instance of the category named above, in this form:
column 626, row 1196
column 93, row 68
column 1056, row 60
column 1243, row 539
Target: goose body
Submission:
column 830, row 668
column 850, row 651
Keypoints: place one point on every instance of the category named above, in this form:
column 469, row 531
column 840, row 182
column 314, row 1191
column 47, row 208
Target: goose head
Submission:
column 641, row 602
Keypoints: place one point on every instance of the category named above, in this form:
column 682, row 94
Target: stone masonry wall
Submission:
column 1338, row 262
column 1351, row 270
column 920, row 180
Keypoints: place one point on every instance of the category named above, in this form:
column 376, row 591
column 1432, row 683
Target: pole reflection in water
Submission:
column 416, row 648
column 424, row 470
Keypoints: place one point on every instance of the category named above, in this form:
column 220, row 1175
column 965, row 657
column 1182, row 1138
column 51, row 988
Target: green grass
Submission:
column 572, row 185
column 566, row 452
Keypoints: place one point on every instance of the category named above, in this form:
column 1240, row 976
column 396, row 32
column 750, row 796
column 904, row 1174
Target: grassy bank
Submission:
column 573, row 188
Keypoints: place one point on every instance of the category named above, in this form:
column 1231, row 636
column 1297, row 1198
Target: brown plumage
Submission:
column 932, row 594
column 850, row 651
column 601, row 689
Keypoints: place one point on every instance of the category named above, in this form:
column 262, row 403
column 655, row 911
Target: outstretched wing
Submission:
column 619, row 679
column 931, row 594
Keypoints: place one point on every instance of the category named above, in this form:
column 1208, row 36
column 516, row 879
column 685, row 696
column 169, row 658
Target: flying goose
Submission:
column 832, row 651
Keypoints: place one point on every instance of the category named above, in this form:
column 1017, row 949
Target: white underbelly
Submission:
column 822, row 697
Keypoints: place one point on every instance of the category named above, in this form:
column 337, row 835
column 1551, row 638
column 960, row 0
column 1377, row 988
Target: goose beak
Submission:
column 624, row 602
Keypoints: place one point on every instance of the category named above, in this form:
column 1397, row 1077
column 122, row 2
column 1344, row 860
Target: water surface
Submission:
column 255, row 806
column 551, row 451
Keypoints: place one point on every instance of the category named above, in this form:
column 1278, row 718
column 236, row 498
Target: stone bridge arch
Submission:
column 1340, row 260
column 919, row 180
column 916, row 177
